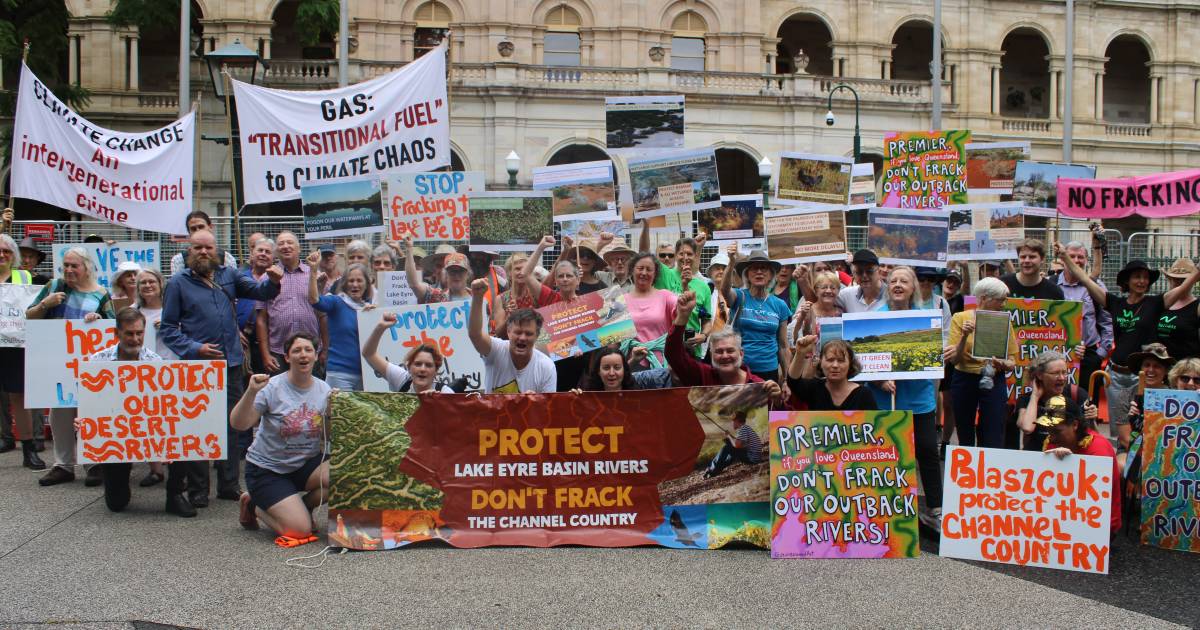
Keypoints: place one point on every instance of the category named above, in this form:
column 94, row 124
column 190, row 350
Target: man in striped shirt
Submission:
column 743, row 446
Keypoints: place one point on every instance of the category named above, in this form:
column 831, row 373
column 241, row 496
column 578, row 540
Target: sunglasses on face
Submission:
column 666, row 256
column 1187, row 378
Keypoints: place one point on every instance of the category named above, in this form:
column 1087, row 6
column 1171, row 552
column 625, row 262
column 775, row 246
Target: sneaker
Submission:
column 931, row 519
column 246, row 514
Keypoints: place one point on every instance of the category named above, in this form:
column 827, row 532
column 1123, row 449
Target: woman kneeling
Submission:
column 285, row 475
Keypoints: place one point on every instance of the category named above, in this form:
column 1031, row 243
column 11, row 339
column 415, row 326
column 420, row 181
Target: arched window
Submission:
column 912, row 52
column 805, row 46
column 286, row 42
column 687, row 44
column 433, row 22
column 1127, row 81
column 456, row 163
column 561, row 42
column 1025, row 75
column 737, row 171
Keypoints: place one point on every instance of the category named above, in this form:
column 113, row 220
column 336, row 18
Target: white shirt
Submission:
column 502, row 377
column 153, row 317
column 398, row 375
column 851, row 300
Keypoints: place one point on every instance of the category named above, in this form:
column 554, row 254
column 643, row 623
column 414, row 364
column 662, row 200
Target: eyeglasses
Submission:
column 1188, row 378
column 666, row 256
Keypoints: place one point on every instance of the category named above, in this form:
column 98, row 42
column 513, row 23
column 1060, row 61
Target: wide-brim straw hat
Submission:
column 1151, row 350
column 585, row 248
column 756, row 256
column 1181, row 269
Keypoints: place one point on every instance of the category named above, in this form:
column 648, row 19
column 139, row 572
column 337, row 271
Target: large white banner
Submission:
column 151, row 411
column 443, row 325
column 55, row 352
column 141, row 180
column 396, row 123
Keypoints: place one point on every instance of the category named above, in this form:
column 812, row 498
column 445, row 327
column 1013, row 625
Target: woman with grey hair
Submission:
column 344, row 369
column 12, row 368
column 358, row 251
column 1049, row 377
column 971, row 391
column 383, row 259
column 75, row 296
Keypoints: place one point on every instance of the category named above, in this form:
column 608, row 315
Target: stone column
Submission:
column 996, row 90
column 266, row 47
column 1155, row 82
column 133, row 63
column 886, row 72
column 1100, row 97
column 73, row 60
column 1054, row 77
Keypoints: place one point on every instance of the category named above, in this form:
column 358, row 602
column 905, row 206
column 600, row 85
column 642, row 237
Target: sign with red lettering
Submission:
column 60, row 347
column 1027, row 508
column 151, row 411
column 430, row 206
column 443, row 325
column 396, row 123
column 136, row 179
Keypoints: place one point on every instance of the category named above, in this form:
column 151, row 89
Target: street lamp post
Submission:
column 829, row 119
column 764, row 174
column 512, row 163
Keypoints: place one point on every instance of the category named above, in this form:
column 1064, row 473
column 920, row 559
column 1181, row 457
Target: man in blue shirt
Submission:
column 199, row 321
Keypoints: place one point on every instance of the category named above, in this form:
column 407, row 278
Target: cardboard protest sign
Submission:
column 546, row 469
column 15, row 299
column 431, row 206
column 985, row 231
column 140, row 180
column 152, row 411
column 807, row 179
column 580, row 191
column 801, row 236
column 1157, row 196
column 907, row 238
column 591, row 230
column 587, row 323
column 992, row 166
column 1035, row 184
column 925, row 169
column 674, row 181
column 862, row 187
column 991, row 335
column 511, row 221
column 1027, row 508
column 442, row 325
column 896, row 345
column 1039, row 326
column 739, row 217
column 396, row 123
column 1170, row 466
column 55, row 352
column 392, row 290
column 843, row 485
column 342, row 208
column 107, row 257
column 640, row 123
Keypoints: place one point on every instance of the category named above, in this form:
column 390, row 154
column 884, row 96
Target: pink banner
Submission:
column 1154, row 196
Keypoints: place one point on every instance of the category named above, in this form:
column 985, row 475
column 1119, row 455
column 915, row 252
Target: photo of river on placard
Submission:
column 342, row 208
column 644, row 122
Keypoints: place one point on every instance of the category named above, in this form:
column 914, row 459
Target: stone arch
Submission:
column 587, row 17
column 808, row 32
column 824, row 17
column 1047, row 38
column 456, row 9
column 673, row 10
column 1025, row 74
column 576, row 150
column 1138, row 34
column 1127, row 82
column 737, row 168
column 921, row 17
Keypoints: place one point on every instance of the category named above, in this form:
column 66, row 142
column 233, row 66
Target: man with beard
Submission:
column 199, row 321
column 513, row 366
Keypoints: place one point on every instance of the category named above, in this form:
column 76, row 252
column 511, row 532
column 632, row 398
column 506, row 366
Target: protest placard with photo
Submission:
column 430, row 206
column 808, row 179
column 828, row 329
column 1040, row 326
column 991, row 335
column 674, row 181
column 925, row 169
column 985, row 231
column 14, row 301
column 639, row 123
column 442, row 325
column 896, row 345
column 107, row 257
column 392, row 290
column 739, row 217
column 908, row 238
column 591, row 230
column 818, row 460
column 56, row 349
column 862, row 186
column 342, row 208
column 1058, row 524
column 1170, row 461
column 808, row 235
column 152, row 411
column 580, row 191
column 509, row 221
column 1035, row 184
column 587, row 323
column 992, row 166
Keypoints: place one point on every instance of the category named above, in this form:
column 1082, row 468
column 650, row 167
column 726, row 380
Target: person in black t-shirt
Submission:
column 1179, row 326
column 1048, row 380
column 832, row 390
column 1028, row 282
column 1135, row 324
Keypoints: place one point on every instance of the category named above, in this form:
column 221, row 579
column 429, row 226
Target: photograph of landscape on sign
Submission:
column 907, row 238
column 992, row 166
column 985, row 231
column 644, row 122
column 738, row 217
column 503, row 221
column 580, row 191
column 342, row 208
column 1035, row 184
column 676, row 181
column 895, row 345
column 813, row 179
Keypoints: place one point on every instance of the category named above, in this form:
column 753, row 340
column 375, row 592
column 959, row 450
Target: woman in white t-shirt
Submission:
column 418, row 375
column 150, row 285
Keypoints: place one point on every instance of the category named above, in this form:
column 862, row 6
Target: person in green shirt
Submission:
column 685, row 276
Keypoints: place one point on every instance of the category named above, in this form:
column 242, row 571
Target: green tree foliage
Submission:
column 314, row 18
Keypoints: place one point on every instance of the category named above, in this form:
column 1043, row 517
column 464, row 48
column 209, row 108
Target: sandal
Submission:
column 151, row 479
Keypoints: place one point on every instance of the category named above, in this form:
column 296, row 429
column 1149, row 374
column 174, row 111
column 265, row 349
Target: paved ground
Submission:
column 66, row 561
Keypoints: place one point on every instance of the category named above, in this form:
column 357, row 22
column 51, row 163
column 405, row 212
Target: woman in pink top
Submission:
column 652, row 310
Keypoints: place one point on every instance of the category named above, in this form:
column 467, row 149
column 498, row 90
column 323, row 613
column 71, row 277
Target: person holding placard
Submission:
column 972, row 393
column 1097, row 323
column 1069, row 432
column 520, row 294
column 455, row 277
column 1048, row 378
column 761, row 317
column 512, row 365
column 1135, row 324
column 76, row 296
column 586, row 255
column 12, row 370
column 344, row 370
column 728, row 359
column 150, row 284
column 651, row 309
column 806, row 320
column 616, row 255
column 286, row 475
column 289, row 312
column 832, row 389
column 918, row 396
column 1179, row 325
column 609, row 371
column 419, row 373
column 124, row 285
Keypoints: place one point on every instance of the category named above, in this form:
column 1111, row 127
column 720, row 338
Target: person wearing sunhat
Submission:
column 616, row 256
column 455, row 277
column 431, row 266
column 1135, row 323
column 1071, row 433
column 1179, row 325
column 483, row 265
column 586, row 256
column 867, row 292
column 717, row 267
column 761, row 318
column 124, row 285
column 31, row 258
column 1048, row 384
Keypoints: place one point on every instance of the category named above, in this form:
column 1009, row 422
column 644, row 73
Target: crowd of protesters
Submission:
column 286, row 324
